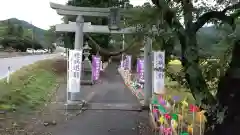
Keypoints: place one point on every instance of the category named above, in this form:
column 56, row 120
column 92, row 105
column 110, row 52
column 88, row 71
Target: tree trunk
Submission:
column 193, row 73
column 228, row 98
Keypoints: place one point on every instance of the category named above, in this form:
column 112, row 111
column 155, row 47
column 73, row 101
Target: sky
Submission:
column 37, row 12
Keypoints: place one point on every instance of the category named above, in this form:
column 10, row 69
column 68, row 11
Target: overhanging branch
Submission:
column 220, row 15
column 232, row 7
column 170, row 17
column 212, row 15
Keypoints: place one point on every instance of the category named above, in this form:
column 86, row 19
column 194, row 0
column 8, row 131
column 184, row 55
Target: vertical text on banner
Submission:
column 74, row 71
column 158, row 72
column 140, row 63
column 96, row 65
column 93, row 67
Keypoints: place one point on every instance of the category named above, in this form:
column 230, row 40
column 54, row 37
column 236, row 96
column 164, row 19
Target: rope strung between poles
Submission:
column 105, row 51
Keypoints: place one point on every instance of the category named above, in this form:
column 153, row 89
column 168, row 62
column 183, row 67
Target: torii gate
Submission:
column 80, row 27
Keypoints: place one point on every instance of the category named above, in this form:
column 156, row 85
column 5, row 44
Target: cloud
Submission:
column 36, row 11
column 139, row 2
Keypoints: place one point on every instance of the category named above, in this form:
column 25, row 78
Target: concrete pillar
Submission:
column 147, row 71
column 78, row 45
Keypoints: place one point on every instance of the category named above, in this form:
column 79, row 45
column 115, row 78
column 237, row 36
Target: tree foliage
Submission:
column 51, row 36
column 103, row 39
column 15, row 38
column 194, row 18
column 195, row 14
column 181, row 20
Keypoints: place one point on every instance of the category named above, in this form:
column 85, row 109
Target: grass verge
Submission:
column 174, row 88
column 29, row 87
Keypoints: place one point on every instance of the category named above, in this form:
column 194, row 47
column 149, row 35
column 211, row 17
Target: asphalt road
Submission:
column 110, row 91
column 16, row 63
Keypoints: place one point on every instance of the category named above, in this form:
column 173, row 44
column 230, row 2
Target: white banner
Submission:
column 129, row 62
column 158, row 72
column 74, row 70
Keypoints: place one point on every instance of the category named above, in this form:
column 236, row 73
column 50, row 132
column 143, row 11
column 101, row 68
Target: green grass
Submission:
column 29, row 87
column 174, row 89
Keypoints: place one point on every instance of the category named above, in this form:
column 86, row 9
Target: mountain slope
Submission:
column 38, row 32
column 207, row 36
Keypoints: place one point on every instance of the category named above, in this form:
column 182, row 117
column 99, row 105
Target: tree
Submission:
column 10, row 28
column 102, row 40
column 50, row 36
column 194, row 18
column 19, row 31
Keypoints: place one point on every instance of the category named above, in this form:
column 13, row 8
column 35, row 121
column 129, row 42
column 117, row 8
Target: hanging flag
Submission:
column 200, row 117
column 174, row 124
column 161, row 120
column 190, row 129
column 161, row 128
column 184, row 104
column 167, row 131
column 167, row 116
column 176, row 98
column 180, row 117
column 155, row 114
column 154, row 100
column 174, row 116
column 162, row 101
column 193, row 108
column 162, row 109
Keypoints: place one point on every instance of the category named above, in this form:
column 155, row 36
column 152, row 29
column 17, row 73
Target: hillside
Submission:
column 38, row 32
column 207, row 36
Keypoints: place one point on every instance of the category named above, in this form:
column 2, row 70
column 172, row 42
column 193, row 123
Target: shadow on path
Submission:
column 111, row 90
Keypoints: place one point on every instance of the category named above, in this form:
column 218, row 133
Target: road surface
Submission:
column 109, row 121
column 16, row 63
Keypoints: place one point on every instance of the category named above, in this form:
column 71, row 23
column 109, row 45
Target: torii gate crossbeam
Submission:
column 88, row 28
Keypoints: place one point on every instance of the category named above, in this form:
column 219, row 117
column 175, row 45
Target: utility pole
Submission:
column 32, row 35
column 123, row 36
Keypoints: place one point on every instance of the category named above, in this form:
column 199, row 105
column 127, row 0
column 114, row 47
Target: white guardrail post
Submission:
column 8, row 74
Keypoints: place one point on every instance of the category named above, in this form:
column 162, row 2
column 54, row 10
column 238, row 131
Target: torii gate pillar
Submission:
column 78, row 45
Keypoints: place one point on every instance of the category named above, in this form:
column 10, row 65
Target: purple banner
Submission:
column 96, row 66
column 140, row 70
column 128, row 62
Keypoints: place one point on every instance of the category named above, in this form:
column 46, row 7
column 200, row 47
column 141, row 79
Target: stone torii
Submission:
column 114, row 15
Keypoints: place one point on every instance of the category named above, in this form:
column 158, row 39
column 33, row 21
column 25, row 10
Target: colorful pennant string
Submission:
column 193, row 108
column 174, row 116
column 169, row 116
column 184, row 133
column 161, row 120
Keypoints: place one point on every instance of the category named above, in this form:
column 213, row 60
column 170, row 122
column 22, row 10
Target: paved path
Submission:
column 110, row 91
column 17, row 62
